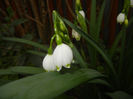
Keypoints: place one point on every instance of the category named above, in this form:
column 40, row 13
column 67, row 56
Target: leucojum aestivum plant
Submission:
column 62, row 55
column 105, row 73
column 79, row 29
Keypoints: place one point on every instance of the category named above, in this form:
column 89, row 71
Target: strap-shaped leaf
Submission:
column 100, row 81
column 78, row 57
column 46, row 85
column 120, row 95
column 32, row 43
column 94, row 45
column 21, row 70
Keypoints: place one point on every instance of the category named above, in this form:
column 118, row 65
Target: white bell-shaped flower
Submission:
column 82, row 13
column 63, row 56
column 131, row 3
column 121, row 18
column 48, row 63
column 75, row 35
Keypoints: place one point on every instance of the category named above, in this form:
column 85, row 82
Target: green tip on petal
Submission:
column 126, row 22
column 58, row 68
column 68, row 66
column 46, row 71
column 78, row 38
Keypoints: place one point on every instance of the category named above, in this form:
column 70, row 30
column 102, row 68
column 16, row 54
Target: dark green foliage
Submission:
column 110, row 78
column 46, row 85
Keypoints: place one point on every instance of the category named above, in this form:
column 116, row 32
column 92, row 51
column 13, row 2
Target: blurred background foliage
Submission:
column 32, row 20
column 26, row 28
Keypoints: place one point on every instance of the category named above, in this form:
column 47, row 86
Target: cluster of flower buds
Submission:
column 80, row 18
column 122, row 18
column 62, row 56
column 131, row 3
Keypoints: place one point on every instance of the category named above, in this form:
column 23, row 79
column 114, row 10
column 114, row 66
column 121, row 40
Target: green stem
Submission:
column 58, row 39
column 50, row 50
column 78, row 5
column 52, row 39
column 126, row 6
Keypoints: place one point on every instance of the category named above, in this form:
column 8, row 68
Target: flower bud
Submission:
column 126, row 22
column 76, row 35
column 121, row 18
column 131, row 3
column 62, row 26
column 82, row 13
column 78, row 5
column 58, row 39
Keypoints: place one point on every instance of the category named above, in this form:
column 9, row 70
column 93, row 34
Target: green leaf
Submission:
column 21, row 70
column 3, row 81
column 19, row 40
column 6, row 72
column 120, row 95
column 100, row 81
column 27, row 70
column 116, row 42
column 99, row 20
column 118, row 38
column 94, row 45
column 46, row 85
column 78, row 57
column 93, row 18
column 64, row 96
column 92, row 28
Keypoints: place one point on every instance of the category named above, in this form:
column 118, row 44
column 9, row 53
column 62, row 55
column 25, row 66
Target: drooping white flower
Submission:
column 75, row 35
column 48, row 63
column 63, row 56
column 82, row 13
column 121, row 18
column 131, row 3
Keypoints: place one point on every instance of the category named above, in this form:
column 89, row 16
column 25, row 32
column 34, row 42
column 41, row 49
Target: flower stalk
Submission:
column 62, row 55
